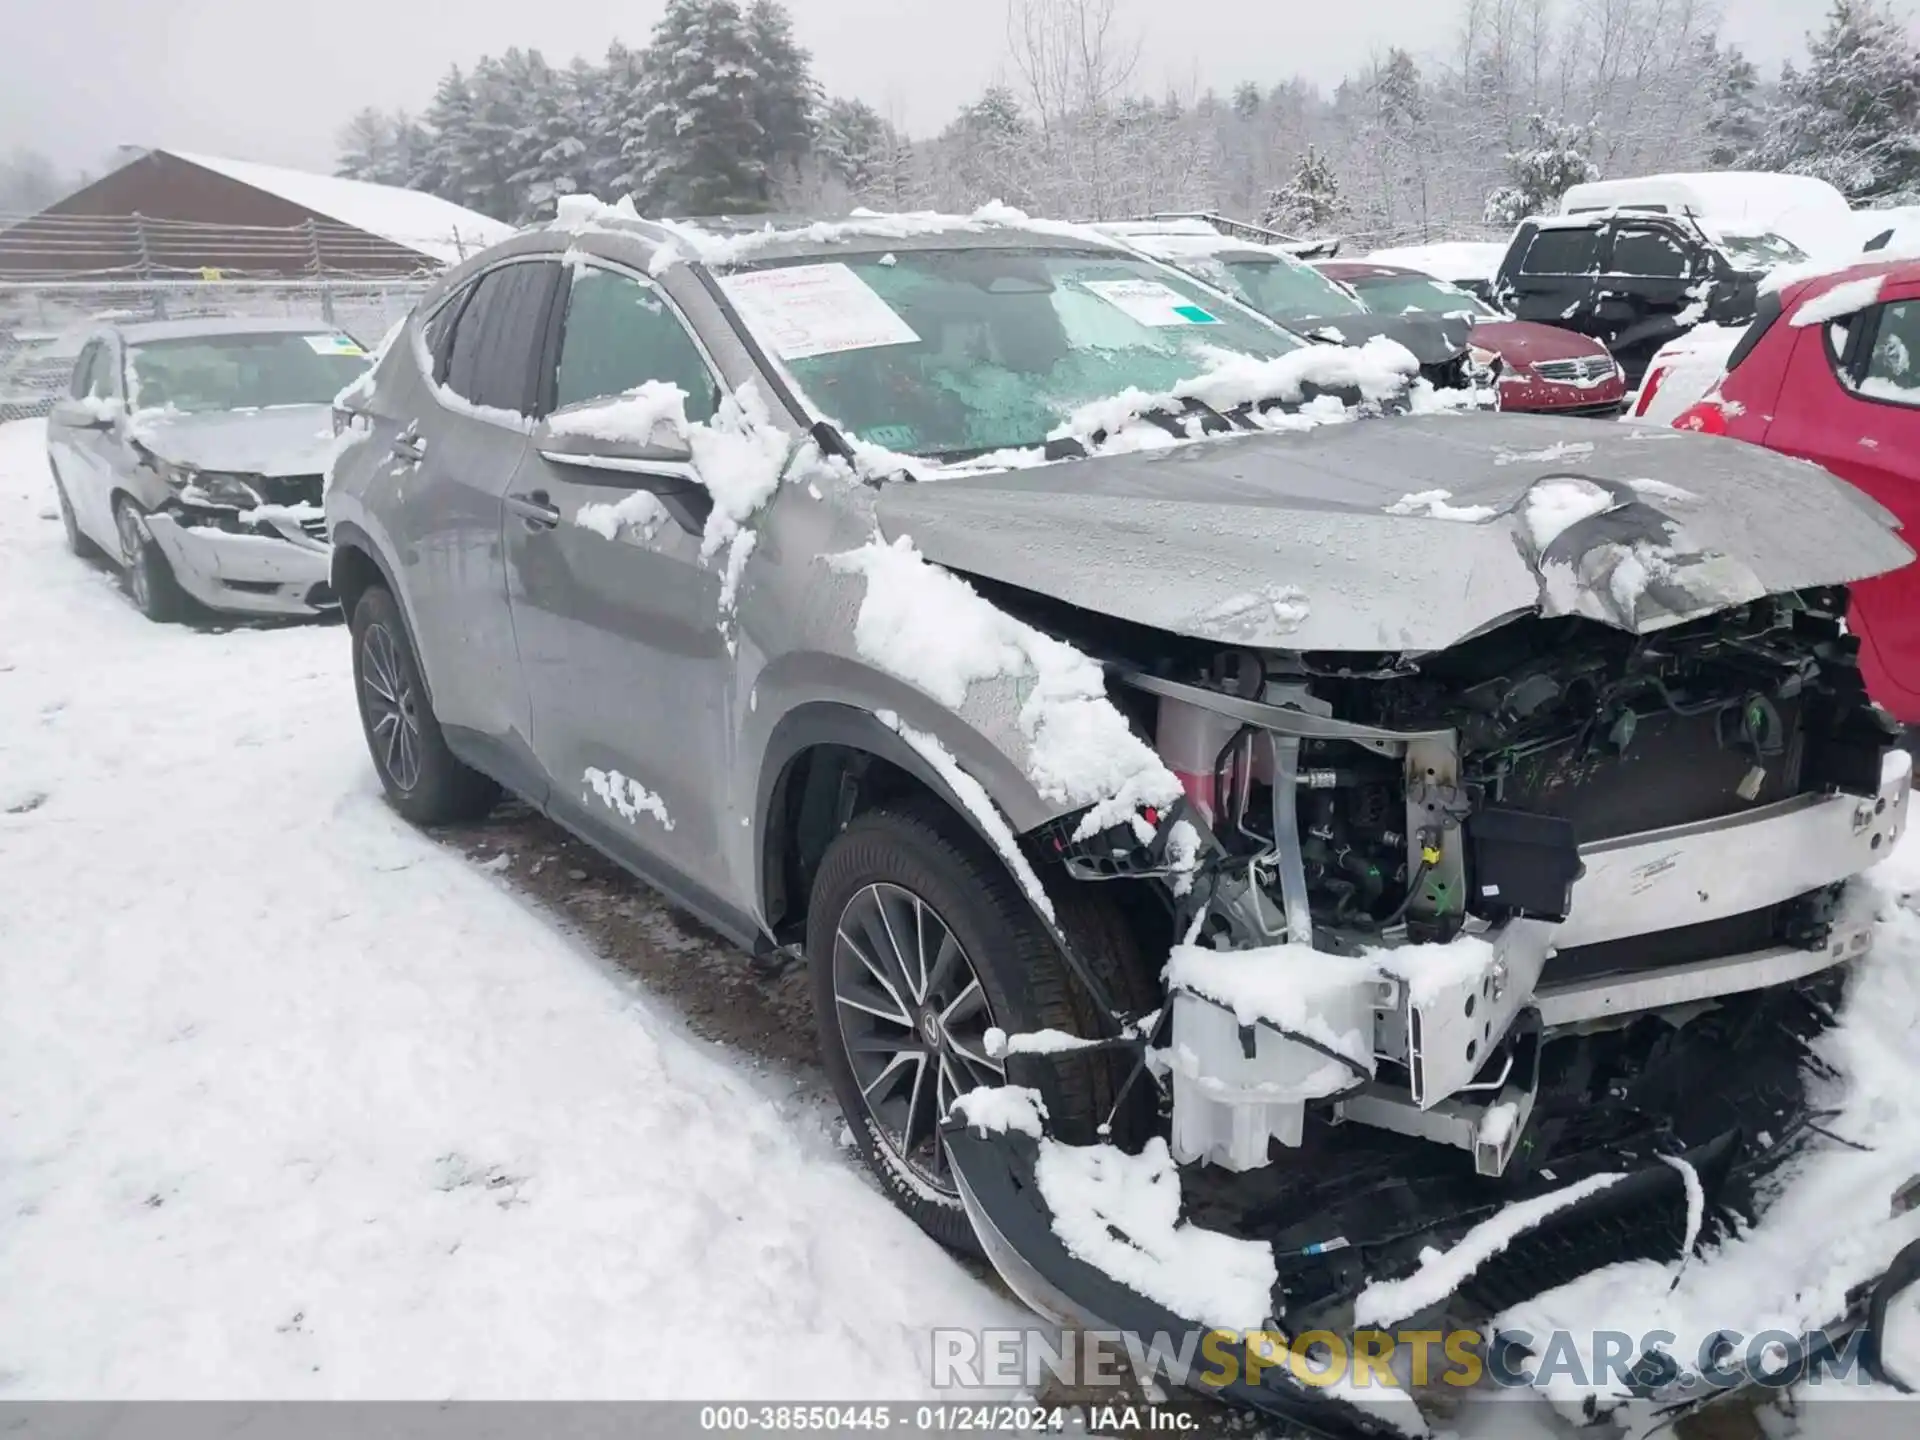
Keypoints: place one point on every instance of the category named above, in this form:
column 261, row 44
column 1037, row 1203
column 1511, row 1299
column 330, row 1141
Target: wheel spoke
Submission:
column 899, row 951
column 895, row 1069
column 991, row 1071
column 922, row 1119
column 892, row 1017
column 877, row 1044
column 393, row 751
column 970, row 1000
column 900, row 1014
column 947, row 963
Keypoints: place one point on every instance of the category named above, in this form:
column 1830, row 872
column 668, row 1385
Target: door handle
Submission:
column 536, row 509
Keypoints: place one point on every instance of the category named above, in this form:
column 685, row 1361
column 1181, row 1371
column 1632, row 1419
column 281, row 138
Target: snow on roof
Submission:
column 1809, row 212
column 436, row 228
column 1447, row 260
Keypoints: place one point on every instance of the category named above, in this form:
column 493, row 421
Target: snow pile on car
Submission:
column 1082, row 752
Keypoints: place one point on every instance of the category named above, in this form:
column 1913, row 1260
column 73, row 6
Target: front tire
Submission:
column 918, row 940
column 423, row 779
column 150, row 581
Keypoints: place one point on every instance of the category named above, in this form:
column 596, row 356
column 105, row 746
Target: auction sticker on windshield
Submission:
column 808, row 310
column 333, row 345
column 1148, row 302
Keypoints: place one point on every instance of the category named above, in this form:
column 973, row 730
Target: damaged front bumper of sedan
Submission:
column 269, row 560
column 1495, row 967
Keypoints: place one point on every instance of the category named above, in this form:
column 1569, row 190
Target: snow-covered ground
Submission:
column 296, row 1102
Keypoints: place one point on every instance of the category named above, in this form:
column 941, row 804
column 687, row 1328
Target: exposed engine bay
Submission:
column 1444, row 863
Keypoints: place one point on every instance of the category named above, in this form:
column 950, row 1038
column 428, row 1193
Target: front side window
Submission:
column 242, row 372
column 954, row 353
column 619, row 335
column 1891, row 370
column 1398, row 294
column 1649, row 252
column 1562, row 252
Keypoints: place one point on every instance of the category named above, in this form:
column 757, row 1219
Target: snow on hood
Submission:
column 283, row 440
column 1166, row 537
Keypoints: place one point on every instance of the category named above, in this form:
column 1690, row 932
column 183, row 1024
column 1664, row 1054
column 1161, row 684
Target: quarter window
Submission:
column 1562, row 252
column 619, row 335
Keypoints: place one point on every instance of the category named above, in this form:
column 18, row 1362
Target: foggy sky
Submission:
column 271, row 80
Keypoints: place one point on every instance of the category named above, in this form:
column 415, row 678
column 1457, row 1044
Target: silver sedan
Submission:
column 193, row 453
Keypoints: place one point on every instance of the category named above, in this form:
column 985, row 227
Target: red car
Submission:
column 1829, row 371
column 1543, row 369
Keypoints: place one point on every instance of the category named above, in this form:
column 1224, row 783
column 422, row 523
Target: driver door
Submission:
column 616, row 618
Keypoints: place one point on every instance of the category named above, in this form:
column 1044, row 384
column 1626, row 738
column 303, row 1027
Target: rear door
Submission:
column 1552, row 278
column 1652, row 287
column 459, row 457
column 618, row 621
column 1851, row 402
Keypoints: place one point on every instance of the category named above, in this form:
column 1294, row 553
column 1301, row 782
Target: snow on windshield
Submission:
column 950, row 354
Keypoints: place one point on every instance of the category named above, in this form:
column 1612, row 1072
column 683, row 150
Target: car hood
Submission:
column 1404, row 534
column 284, row 440
column 1433, row 339
column 1521, row 342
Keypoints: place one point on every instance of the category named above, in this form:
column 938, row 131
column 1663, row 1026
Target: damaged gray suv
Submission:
column 1189, row 762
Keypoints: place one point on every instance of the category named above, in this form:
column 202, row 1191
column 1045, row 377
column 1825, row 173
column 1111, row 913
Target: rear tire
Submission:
column 423, row 779
column 915, row 858
column 150, row 583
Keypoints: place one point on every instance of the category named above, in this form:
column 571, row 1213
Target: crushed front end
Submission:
column 1543, row 924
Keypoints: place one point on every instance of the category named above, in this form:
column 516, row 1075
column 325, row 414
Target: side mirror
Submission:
column 91, row 413
column 593, row 438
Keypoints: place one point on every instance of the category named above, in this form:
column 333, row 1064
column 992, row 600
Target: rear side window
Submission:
column 497, row 337
column 1649, row 251
column 620, row 334
column 1562, row 252
column 1891, row 364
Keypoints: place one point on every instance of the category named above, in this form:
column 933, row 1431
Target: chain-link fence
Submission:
column 43, row 324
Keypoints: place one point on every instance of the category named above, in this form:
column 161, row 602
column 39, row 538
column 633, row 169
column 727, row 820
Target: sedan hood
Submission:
column 1433, row 339
column 1521, row 342
column 1405, row 534
column 285, row 440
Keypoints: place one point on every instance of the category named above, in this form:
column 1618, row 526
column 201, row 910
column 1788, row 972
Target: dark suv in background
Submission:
column 1633, row 281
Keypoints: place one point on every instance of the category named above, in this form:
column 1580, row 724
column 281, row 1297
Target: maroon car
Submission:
column 1542, row 368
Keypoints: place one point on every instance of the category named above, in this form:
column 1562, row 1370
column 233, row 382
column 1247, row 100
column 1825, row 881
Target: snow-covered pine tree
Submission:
column 699, row 148
column 1553, row 160
column 1852, row 117
column 611, row 110
column 450, row 166
column 365, row 143
column 787, row 100
column 1308, row 202
column 1734, row 119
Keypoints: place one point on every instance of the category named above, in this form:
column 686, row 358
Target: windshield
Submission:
column 955, row 353
column 243, row 372
column 1397, row 294
column 1283, row 289
column 1760, row 252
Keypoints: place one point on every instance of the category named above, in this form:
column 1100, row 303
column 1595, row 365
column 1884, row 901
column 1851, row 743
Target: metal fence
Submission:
column 44, row 323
